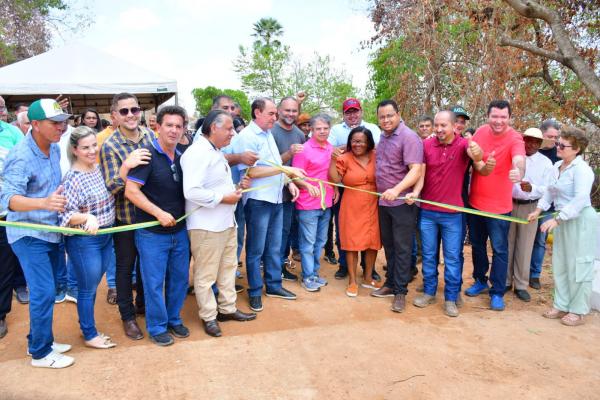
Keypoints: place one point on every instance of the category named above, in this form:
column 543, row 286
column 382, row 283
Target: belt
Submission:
column 519, row 201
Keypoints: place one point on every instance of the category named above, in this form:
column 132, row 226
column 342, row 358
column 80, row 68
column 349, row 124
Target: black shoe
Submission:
column 190, row 290
column 164, row 339
column 341, row 273
column 281, row 293
column 3, row 328
column 239, row 288
column 287, row 275
column 212, row 328
column 534, row 283
column 140, row 310
column 236, row 316
column 414, row 270
column 255, row 303
column 523, row 295
column 376, row 276
column 507, row 289
column 179, row 331
column 330, row 258
column 22, row 294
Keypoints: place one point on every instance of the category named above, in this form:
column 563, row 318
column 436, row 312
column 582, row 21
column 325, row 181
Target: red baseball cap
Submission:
column 351, row 103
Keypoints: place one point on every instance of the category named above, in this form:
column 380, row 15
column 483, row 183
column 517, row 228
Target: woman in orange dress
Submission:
column 359, row 222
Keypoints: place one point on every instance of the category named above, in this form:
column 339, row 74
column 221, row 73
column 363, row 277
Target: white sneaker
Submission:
column 53, row 360
column 57, row 348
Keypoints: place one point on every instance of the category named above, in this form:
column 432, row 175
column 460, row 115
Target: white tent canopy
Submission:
column 88, row 76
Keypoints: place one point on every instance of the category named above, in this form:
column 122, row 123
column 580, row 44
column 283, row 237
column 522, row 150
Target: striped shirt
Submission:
column 113, row 153
column 30, row 173
column 87, row 194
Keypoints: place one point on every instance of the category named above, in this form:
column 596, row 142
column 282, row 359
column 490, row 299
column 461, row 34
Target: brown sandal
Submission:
column 553, row 313
column 572, row 319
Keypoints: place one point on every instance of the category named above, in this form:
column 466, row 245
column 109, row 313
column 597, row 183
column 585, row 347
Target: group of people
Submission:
column 277, row 185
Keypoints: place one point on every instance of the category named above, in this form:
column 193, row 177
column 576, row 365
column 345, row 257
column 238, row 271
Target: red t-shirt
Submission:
column 444, row 172
column 493, row 193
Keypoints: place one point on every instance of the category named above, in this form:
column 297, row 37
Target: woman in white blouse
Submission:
column 575, row 228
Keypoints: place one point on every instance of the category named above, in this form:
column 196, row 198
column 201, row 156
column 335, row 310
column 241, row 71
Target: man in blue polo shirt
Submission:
column 31, row 193
column 156, row 190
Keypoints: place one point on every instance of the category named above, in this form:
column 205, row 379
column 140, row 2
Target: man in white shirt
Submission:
column 207, row 182
column 538, row 170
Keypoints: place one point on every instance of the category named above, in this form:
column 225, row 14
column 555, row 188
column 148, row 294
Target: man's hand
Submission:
column 300, row 97
column 313, row 190
column 56, row 201
column 514, row 175
column 91, row 224
column 137, row 157
column 294, row 172
column 232, row 198
column 526, row 186
column 475, row 150
column 245, row 182
column 410, row 197
column 294, row 191
column 490, row 164
column 249, row 157
column 63, row 103
column 166, row 219
column 336, row 195
column 549, row 225
column 296, row 148
column 390, row 195
column 534, row 215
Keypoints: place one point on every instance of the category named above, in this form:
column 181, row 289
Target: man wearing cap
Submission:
column 493, row 194
column 338, row 137
column 525, row 194
column 303, row 123
column 461, row 119
column 31, row 193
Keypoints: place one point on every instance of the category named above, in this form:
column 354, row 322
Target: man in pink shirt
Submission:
column 493, row 193
column 313, row 210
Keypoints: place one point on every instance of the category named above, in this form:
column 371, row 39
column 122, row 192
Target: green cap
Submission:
column 43, row 109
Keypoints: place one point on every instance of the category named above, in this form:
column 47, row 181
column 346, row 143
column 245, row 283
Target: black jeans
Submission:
column 126, row 254
column 397, row 225
column 9, row 263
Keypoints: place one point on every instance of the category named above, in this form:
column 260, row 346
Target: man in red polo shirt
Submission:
column 445, row 159
column 493, row 193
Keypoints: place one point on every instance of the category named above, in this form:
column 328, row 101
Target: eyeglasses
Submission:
column 174, row 172
column 562, row 145
column 125, row 111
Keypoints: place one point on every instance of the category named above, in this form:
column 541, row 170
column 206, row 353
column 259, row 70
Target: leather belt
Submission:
column 519, row 201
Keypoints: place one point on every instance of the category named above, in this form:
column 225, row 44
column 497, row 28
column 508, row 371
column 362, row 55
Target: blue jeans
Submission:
column 65, row 278
column 164, row 265
column 91, row 257
column 40, row 262
column 264, row 221
column 312, row 236
column 289, row 209
column 241, row 224
column 539, row 250
column 293, row 241
column 497, row 230
column 431, row 224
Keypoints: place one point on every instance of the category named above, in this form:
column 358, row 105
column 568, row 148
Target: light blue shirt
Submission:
column 338, row 136
column 235, row 172
column 252, row 138
column 570, row 189
column 29, row 172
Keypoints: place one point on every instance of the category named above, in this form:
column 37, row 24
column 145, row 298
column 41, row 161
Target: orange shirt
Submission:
column 493, row 193
column 101, row 138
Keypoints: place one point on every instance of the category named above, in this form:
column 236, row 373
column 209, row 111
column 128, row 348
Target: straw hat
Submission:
column 536, row 133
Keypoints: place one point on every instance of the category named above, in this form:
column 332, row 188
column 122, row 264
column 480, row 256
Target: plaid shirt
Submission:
column 112, row 154
column 87, row 194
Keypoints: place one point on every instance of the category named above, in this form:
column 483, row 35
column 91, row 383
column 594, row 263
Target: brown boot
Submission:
column 132, row 330
column 383, row 291
column 399, row 303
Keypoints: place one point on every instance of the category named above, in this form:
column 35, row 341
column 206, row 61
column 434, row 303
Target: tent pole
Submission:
column 176, row 99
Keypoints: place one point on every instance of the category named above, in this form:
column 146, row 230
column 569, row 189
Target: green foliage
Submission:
column 205, row 96
column 261, row 69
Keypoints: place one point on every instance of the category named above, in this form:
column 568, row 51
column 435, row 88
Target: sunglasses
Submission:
column 174, row 172
column 562, row 145
column 125, row 111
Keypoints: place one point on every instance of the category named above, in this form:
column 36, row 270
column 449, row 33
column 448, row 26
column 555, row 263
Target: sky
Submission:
column 196, row 41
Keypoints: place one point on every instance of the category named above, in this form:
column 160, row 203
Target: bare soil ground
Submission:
column 324, row 345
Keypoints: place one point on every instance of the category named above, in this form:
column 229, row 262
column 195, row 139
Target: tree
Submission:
column 436, row 53
column 204, row 98
column 26, row 26
column 265, row 32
